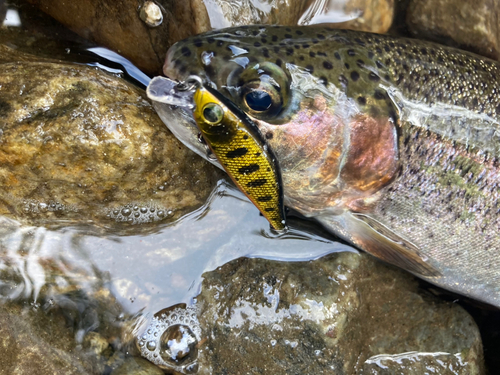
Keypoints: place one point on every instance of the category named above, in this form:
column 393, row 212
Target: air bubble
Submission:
column 161, row 213
column 126, row 212
column 144, row 210
column 151, row 345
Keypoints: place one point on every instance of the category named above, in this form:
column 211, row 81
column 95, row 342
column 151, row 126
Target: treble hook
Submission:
column 190, row 83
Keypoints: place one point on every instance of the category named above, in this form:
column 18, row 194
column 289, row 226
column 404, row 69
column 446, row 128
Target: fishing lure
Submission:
column 241, row 150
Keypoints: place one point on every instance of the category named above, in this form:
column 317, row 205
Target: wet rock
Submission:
column 79, row 145
column 32, row 342
column 375, row 16
column 118, row 26
column 471, row 25
column 137, row 366
column 345, row 314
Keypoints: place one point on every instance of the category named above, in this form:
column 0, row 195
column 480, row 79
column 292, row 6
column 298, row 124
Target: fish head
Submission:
column 299, row 99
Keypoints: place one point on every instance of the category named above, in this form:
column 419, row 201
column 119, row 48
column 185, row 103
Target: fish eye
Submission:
column 213, row 113
column 258, row 100
column 261, row 99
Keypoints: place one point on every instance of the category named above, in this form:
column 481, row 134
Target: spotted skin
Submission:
column 403, row 131
column 242, row 152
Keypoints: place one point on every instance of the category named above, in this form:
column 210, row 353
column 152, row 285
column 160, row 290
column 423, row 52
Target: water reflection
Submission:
column 145, row 272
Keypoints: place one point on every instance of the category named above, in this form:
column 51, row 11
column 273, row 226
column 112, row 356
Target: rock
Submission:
column 471, row 25
column 137, row 366
column 375, row 16
column 32, row 342
column 345, row 313
column 79, row 145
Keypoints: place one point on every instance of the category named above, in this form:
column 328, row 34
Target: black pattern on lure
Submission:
column 240, row 148
column 391, row 143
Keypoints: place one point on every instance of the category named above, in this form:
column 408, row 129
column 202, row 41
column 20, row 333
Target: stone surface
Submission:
column 33, row 342
column 137, row 366
column 471, row 25
column 78, row 144
column 345, row 314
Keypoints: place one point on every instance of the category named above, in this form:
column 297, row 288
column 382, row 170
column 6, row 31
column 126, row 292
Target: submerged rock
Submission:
column 472, row 25
column 79, row 145
column 345, row 314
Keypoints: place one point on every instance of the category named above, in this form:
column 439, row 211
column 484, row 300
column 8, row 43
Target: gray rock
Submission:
column 345, row 314
column 471, row 25
column 79, row 145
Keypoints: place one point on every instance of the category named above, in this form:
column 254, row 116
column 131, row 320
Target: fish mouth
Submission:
column 175, row 109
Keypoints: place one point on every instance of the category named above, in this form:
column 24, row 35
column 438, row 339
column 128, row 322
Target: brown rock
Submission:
column 345, row 313
column 472, row 25
column 79, row 145
column 118, row 26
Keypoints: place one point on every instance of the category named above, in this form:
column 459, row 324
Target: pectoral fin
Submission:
column 380, row 241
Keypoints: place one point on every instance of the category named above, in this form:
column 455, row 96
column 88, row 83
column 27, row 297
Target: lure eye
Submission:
column 213, row 113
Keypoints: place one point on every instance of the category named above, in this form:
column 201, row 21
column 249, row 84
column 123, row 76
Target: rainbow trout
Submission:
column 390, row 143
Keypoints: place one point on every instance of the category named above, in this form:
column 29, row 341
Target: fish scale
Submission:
column 391, row 143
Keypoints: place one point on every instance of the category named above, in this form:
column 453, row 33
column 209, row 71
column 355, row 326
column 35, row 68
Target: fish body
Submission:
column 390, row 143
column 240, row 149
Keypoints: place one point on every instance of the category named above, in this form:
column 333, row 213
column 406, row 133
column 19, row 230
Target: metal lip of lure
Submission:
column 241, row 150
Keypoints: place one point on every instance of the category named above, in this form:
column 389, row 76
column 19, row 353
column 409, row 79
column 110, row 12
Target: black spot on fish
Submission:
column 321, row 54
column 298, row 32
column 373, row 77
column 351, row 52
column 289, row 51
column 347, row 66
column 323, row 80
column 387, row 49
column 255, row 32
column 288, row 36
column 305, row 45
column 361, row 100
column 264, row 40
column 279, row 62
column 312, row 54
column 185, row 51
column 257, row 44
column 359, row 41
column 237, row 152
column 258, row 182
column 197, row 42
column 297, row 46
column 265, row 198
column 360, row 63
column 321, row 36
column 268, row 169
column 314, row 40
column 245, row 136
column 210, row 40
column 269, row 209
column 301, row 58
column 274, row 38
column 265, row 52
column 354, row 75
column 310, row 68
column 247, row 169
column 257, row 154
column 379, row 95
column 327, row 65
column 269, row 135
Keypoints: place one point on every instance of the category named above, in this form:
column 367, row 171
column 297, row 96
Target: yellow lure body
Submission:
column 240, row 148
